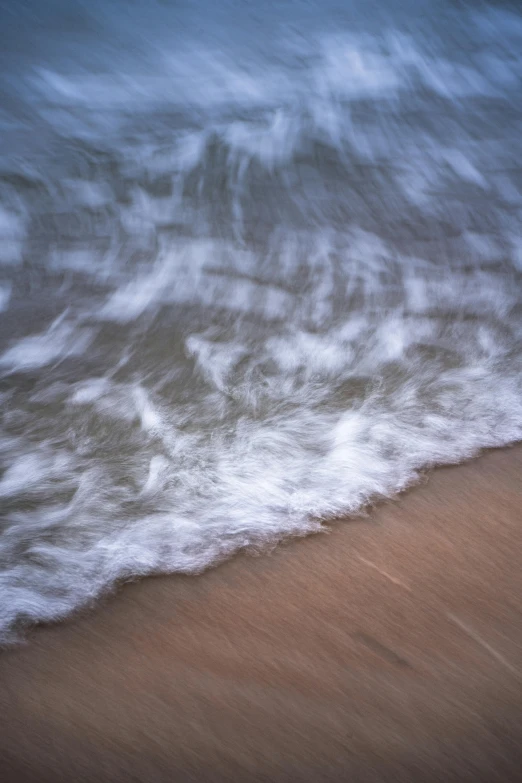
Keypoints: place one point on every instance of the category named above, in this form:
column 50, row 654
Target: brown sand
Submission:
column 388, row 650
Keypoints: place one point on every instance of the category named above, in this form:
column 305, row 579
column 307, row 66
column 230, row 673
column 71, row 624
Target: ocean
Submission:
column 260, row 266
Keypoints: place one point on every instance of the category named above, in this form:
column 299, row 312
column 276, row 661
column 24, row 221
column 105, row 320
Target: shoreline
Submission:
column 389, row 648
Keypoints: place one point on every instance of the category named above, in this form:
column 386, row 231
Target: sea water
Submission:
column 260, row 266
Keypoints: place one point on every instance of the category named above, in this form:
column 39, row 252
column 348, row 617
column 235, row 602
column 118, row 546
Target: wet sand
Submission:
column 389, row 649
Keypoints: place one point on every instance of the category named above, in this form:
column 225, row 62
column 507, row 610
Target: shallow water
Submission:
column 259, row 265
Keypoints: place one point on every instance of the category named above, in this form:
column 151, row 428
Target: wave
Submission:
column 247, row 290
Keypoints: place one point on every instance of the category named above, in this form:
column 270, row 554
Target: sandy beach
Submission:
column 388, row 649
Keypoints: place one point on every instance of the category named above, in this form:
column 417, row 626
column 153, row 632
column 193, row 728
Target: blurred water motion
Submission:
column 260, row 264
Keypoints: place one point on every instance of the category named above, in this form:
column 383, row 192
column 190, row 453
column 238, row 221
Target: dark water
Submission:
column 259, row 264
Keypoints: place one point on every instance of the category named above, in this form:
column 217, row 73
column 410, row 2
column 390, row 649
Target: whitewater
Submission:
column 260, row 266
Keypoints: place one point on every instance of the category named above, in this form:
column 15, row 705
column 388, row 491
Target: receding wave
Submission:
column 248, row 289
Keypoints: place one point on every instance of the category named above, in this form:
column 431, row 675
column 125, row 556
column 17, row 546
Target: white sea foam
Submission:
column 12, row 235
column 288, row 279
column 58, row 342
